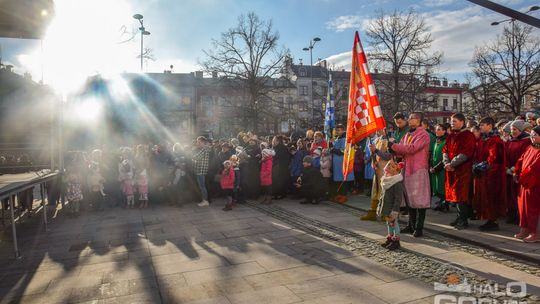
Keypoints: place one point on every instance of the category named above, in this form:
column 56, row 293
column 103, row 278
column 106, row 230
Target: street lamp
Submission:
column 143, row 33
column 512, row 21
column 310, row 49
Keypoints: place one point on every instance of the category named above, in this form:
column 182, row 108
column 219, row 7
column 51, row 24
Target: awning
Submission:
column 26, row 19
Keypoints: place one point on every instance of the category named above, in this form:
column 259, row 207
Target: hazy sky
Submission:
column 85, row 36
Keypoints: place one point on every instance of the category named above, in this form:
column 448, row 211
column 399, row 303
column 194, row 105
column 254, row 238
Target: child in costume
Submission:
column 391, row 197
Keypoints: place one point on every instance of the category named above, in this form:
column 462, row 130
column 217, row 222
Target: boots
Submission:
column 393, row 245
column 411, row 225
column 419, row 228
column 388, row 241
column 463, row 215
column 371, row 214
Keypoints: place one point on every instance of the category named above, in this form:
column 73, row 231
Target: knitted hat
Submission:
column 307, row 159
column 268, row 152
column 531, row 115
column 507, row 126
column 518, row 124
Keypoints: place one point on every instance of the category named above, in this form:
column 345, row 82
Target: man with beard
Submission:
column 489, row 176
column 458, row 153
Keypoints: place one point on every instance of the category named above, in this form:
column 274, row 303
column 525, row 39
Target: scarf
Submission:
column 388, row 181
column 486, row 136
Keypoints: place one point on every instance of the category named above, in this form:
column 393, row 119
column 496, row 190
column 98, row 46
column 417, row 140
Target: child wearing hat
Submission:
column 266, row 173
column 227, row 183
column 390, row 201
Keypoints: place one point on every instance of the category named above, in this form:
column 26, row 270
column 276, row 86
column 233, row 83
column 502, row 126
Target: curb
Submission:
column 513, row 254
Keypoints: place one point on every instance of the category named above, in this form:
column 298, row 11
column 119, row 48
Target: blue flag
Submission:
column 329, row 121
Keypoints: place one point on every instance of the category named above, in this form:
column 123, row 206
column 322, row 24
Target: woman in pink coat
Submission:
column 266, row 175
column 414, row 148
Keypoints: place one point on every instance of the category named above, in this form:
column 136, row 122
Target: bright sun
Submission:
column 83, row 40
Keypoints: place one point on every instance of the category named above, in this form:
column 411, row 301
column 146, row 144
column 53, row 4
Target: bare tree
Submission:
column 400, row 45
column 508, row 68
column 248, row 53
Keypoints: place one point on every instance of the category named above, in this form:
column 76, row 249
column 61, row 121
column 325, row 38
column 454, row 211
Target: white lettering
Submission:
column 522, row 289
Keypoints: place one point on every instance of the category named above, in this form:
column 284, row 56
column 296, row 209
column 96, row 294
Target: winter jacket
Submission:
column 227, row 179
column 266, row 171
column 296, row 162
column 391, row 195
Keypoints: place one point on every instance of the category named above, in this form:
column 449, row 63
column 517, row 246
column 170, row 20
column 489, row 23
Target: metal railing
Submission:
column 13, row 188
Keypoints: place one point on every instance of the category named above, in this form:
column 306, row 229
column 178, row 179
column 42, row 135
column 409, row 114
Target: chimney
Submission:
column 198, row 74
column 445, row 82
column 323, row 63
column 214, row 74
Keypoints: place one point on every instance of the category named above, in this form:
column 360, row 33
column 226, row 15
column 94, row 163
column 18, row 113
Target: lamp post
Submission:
column 310, row 49
column 513, row 33
column 143, row 33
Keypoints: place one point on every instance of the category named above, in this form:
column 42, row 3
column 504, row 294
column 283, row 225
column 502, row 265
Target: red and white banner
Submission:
column 365, row 115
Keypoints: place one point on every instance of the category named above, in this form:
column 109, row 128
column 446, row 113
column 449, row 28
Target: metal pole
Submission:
column 311, row 85
column 142, row 35
column 44, row 204
column 13, row 228
column 514, row 61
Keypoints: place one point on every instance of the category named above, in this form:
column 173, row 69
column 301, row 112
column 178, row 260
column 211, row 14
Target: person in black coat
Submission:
column 250, row 170
column 312, row 184
column 280, row 168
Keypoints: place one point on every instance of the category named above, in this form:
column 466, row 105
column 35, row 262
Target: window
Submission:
column 302, row 72
column 302, row 105
column 445, row 102
column 304, row 90
column 289, row 103
column 454, row 103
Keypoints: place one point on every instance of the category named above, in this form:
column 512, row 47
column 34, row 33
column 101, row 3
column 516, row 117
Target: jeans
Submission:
column 202, row 186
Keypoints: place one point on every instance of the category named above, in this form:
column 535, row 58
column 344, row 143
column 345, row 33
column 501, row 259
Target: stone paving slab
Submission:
column 502, row 239
column 198, row 255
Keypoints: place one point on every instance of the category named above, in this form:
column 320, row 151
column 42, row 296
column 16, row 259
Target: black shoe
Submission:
column 446, row 208
column 454, row 222
column 393, row 245
column 408, row 230
column 460, row 225
column 489, row 226
column 388, row 241
column 418, row 233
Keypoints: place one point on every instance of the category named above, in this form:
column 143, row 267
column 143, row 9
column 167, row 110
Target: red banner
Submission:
column 364, row 113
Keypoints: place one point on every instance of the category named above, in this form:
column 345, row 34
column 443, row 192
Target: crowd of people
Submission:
column 486, row 170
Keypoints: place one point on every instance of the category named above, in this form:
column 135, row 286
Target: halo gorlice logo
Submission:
column 457, row 290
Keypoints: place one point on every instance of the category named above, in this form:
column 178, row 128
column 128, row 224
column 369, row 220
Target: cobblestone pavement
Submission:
column 283, row 253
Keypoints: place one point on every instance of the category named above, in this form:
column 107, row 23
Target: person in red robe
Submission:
column 527, row 174
column 514, row 147
column 458, row 153
column 489, row 176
